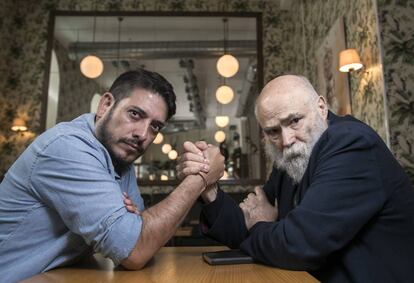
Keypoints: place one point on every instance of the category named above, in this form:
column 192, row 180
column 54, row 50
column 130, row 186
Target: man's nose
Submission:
column 288, row 137
column 141, row 131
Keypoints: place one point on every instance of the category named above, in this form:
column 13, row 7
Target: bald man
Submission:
column 337, row 203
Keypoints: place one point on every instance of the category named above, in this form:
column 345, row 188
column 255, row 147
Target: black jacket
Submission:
column 351, row 219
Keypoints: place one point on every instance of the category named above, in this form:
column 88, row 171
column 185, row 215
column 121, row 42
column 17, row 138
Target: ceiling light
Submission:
column 166, row 148
column 172, row 154
column 224, row 94
column 158, row 139
column 220, row 136
column 227, row 65
column 222, row 121
column 91, row 66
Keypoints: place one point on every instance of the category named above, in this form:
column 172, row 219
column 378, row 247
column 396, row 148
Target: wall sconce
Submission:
column 349, row 60
column 19, row 125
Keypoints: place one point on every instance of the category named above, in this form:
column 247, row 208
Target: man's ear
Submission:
column 322, row 107
column 105, row 103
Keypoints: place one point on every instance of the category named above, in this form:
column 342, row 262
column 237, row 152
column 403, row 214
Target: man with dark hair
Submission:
column 63, row 198
column 337, row 203
column 144, row 79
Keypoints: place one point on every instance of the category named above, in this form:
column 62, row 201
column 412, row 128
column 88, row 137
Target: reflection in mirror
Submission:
column 185, row 50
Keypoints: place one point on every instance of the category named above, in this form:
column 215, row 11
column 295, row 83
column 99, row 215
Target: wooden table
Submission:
column 171, row 264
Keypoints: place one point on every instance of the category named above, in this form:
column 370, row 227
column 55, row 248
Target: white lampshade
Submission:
column 172, row 154
column 91, row 66
column 166, row 148
column 158, row 139
column 222, row 121
column 349, row 60
column 164, row 177
column 224, row 94
column 227, row 65
column 19, row 125
column 220, row 136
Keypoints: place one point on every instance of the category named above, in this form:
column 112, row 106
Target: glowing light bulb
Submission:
column 91, row 66
column 227, row 65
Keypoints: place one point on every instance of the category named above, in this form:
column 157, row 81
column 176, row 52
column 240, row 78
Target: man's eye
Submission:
column 156, row 128
column 134, row 113
column 295, row 121
column 272, row 133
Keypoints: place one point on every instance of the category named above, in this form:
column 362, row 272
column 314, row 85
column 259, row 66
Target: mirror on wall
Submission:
column 185, row 49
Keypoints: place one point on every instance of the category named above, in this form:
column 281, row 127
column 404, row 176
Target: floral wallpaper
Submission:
column 397, row 34
column 314, row 20
column 383, row 33
column 76, row 91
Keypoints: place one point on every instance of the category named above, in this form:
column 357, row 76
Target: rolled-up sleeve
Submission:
column 72, row 177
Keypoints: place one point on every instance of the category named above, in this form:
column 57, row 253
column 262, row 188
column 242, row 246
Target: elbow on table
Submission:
column 134, row 263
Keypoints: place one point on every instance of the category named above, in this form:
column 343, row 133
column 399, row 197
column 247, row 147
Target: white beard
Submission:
column 294, row 159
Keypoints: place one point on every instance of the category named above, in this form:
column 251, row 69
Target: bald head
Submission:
column 292, row 117
column 292, row 88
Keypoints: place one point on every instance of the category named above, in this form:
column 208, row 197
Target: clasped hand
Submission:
column 256, row 208
column 201, row 158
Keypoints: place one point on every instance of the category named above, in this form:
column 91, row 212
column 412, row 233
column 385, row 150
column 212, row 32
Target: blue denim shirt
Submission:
column 62, row 199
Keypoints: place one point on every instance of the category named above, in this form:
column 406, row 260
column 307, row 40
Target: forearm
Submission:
column 162, row 220
column 224, row 221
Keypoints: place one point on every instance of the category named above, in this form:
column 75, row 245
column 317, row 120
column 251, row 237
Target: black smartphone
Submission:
column 227, row 257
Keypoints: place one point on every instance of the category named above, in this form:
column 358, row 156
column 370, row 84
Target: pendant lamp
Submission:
column 224, row 94
column 158, row 139
column 220, row 136
column 92, row 66
column 227, row 65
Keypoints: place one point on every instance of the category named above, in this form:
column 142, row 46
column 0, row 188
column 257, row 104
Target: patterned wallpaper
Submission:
column 314, row 20
column 397, row 34
column 76, row 91
column 391, row 116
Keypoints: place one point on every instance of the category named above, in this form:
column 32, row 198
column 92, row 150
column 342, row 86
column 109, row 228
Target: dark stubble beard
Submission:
column 106, row 138
column 294, row 160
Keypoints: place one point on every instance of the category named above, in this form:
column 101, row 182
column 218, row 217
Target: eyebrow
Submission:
column 145, row 115
column 284, row 121
column 290, row 117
